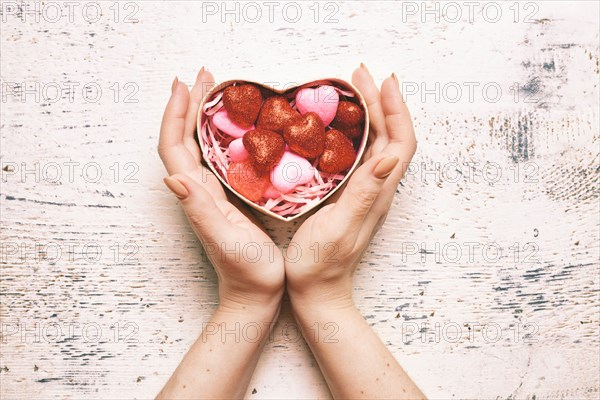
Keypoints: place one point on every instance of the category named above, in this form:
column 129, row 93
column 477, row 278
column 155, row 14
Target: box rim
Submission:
column 361, row 148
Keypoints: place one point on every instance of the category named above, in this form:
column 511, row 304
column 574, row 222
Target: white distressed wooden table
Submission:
column 483, row 282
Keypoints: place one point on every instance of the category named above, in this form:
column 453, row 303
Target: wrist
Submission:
column 320, row 302
column 325, row 324
column 240, row 326
column 260, row 308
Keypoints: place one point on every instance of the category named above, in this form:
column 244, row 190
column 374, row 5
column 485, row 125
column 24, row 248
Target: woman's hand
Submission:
column 333, row 240
column 248, row 264
column 330, row 244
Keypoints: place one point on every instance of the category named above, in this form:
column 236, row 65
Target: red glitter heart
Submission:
column 242, row 103
column 352, row 132
column 349, row 119
column 248, row 181
column 265, row 147
column 276, row 113
column 339, row 153
column 306, row 136
column 348, row 114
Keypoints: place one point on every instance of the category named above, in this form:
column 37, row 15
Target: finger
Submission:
column 402, row 143
column 398, row 122
column 399, row 127
column 383, row 203
column 363, row 188
column 173, row 122
column 175, row 156
column 365, row 84
column 204, row 82
column 207, row 220
column 205, row 177
column 202, row 175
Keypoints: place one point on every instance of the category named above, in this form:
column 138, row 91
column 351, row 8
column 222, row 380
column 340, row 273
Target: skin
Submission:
column 218, row 365
column 319, row 281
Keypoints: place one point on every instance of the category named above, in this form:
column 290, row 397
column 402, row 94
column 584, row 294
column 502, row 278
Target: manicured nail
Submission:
column 176, row 187
column 385, row 167
column 200, row 73
column 174, row 85
column 395, row 77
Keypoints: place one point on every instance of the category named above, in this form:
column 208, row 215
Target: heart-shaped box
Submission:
column 285, row 208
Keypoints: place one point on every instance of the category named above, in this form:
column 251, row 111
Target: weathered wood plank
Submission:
column 506, row 175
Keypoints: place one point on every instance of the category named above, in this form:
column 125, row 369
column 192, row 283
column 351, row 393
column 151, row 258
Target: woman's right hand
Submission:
column 247, row 262
column 329, row 245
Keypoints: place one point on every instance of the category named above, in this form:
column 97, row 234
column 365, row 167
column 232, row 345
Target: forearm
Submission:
column 354, row 361
column 222, row 360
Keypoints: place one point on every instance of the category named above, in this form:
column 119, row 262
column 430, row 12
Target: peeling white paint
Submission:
column 545, row 199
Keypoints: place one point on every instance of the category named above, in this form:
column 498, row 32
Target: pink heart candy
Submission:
column 322, row 100
column 237, row 151
column 226, row 125
column 291, row 171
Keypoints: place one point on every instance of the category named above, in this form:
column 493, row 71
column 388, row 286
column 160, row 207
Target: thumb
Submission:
column 199, row 206
column 361, row 192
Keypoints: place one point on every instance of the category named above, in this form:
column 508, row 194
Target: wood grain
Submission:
column 483, row 281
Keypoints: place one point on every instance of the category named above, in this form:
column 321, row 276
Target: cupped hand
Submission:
column 249, row 266
column 331, row 242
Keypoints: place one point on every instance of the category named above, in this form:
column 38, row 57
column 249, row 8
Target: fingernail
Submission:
column 385, row 167
column 200, row 73
column 395, row 77
column 176, row 187
column 174, row 85
column 362, row 65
